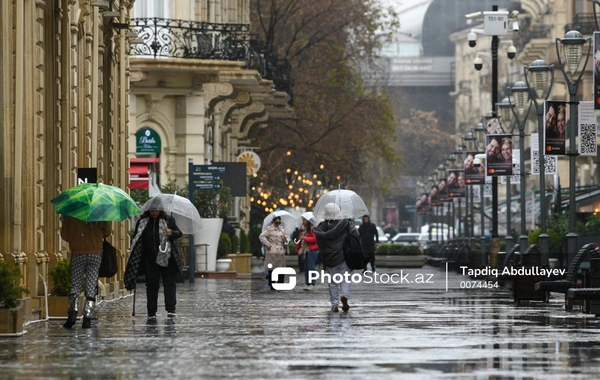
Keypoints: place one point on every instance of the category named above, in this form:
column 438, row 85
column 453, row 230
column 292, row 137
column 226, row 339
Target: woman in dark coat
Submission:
column 154, row 253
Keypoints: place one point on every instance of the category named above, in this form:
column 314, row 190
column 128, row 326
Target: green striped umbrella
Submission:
column 95, row 202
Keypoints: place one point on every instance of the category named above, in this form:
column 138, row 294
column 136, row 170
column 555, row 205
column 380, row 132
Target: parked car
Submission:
column 383, row 237
column 406, row 238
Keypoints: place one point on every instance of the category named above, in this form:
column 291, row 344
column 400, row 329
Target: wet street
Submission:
column 236, row 328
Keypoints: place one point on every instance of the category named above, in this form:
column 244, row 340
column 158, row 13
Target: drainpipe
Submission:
column 19, row 109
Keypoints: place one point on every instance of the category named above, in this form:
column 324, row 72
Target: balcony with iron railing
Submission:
column 169, row 38
column 582, row 22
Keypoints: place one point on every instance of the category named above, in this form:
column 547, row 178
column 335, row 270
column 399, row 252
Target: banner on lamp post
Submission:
column 587, row 144
column 555, row 120
column 597, row 70
column 515, row 178
column 499, row 155
column 550, row 162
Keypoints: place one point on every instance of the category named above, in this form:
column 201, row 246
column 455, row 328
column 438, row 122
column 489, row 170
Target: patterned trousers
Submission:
column 88, row 264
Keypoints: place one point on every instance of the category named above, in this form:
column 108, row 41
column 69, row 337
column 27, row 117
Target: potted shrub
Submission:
column 401, row 256
column 58, row 299
column 11, row 307
column 223, row 249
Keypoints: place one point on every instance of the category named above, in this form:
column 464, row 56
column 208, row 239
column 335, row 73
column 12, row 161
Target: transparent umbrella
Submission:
column 185, row 213
column 288, row 221
column 308, row 216
column 340, row 204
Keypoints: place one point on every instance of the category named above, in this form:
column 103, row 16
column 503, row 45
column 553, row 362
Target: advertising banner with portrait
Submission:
column 423, row 206
column 555, row 120
column 442, row 193
column 456, row 183
column 597, row 70
column 474, row 175
column 499, row 155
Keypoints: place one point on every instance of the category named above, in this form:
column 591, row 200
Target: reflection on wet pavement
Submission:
column 236, row 328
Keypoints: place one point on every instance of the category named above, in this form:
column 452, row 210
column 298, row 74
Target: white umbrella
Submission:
column 308, row 216
column 288, row 221
column 340, row 204
column 182, row 209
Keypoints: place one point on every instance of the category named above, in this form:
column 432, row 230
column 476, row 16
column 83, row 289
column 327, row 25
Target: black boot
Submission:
column 71, row 320
column 89, row 312
column 73, row 308
column 87, row 323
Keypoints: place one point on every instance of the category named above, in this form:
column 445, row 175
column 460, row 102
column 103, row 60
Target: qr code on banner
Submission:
column 550, row 163
column 535, row 162
column 587, row 139
column 516, row 177
column 487, row 191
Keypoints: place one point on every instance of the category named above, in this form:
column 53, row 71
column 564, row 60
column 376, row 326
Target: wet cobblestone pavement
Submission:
column 236, row 328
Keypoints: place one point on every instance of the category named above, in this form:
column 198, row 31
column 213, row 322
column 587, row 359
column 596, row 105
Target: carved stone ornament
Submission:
column 213, row 91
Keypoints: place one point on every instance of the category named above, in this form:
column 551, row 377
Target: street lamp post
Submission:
column 480, row 136
column 450, row 164
column 537, row 75
column 506, row 114
column 521, row 110
column 433, row 201
column 441, row 175
column 458, row 154
column 495, row 24
column 572, row 45
column 429, row 218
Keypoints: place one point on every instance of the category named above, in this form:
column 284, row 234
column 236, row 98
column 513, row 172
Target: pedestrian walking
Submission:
column 331, row 234
column 155, row 254
column 274, row 238
column 369, row 239
column 307, row 247
column 85, row 243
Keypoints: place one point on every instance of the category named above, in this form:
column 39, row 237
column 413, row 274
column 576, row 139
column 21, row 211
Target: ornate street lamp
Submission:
column 480, row 132
column 506, row 114
column 458, row 153
column 441, row 170
column 572, row 50
column 540, row 77
column 520, row 91
column 471, row 146
column 450, row 165
column 430, row 181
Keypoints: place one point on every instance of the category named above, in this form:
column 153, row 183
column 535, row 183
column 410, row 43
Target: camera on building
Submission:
column 511, row 51
column 472, row 37
column 478, row 63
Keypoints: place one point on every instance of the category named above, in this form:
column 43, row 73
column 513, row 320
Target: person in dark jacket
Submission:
column 369, row 239
column 330, row 237
column 153, row 252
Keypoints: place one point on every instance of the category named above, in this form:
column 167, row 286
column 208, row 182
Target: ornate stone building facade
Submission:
column 67, row 103
column 65, row 96
column 199, row 85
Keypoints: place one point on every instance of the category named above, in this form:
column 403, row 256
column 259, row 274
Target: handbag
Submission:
column 108, row 266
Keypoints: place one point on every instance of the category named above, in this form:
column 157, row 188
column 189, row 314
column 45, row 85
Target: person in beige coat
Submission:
column 274, row 238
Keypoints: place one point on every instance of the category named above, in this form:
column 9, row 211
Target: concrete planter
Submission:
column 257, row 264
column 241, row 262
column 222, row 265
column 11, row 320
column 400, row 261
